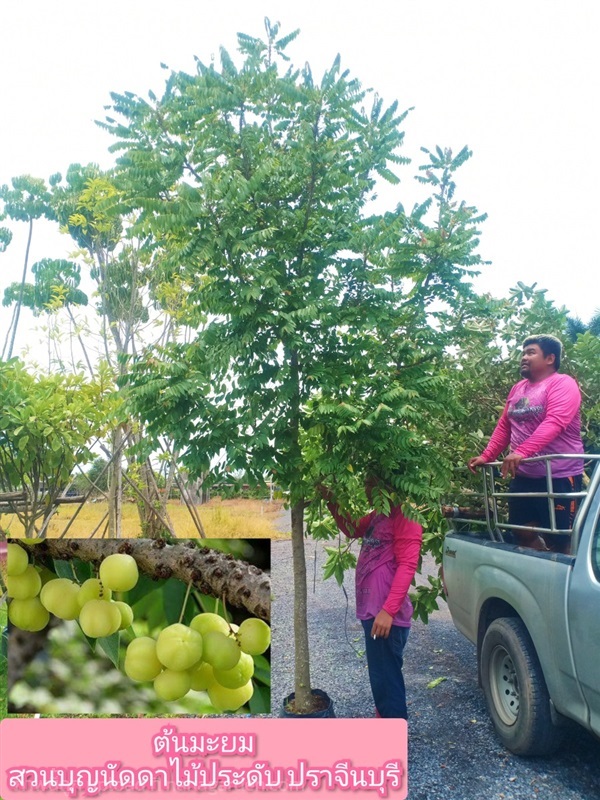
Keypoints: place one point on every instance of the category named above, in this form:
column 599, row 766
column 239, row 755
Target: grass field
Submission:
column 221, row 519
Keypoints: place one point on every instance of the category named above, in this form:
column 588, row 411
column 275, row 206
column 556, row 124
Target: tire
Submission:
column 515, row 690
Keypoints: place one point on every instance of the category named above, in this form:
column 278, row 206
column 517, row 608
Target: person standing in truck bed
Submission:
column 541, row 416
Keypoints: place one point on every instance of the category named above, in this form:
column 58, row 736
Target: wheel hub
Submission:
column 504, row 684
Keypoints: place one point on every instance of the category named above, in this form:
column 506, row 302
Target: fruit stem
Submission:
column 185, row 599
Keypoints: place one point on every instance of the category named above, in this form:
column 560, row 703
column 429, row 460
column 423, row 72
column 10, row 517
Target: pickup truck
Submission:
column 534, row 617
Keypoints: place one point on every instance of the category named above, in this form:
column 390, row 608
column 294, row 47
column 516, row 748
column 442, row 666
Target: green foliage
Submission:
column 257, row 184
column 26, row 199
column 47, row 424
column 56, row 280
column 584, row 363
column 424, row 598
column 339, row 559
column 77, row 204
column 87, row 206
column 324, row 326
column 5, row 238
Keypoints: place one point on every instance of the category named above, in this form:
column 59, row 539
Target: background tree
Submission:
column 47, row 427
column 55, row 287
column 320, row 337
column 575, row 326
column 26, row 201
column 124, row 269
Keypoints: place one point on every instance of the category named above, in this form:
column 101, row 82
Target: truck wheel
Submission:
column 515, row 690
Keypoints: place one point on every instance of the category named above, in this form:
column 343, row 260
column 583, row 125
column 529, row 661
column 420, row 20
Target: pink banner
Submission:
column 125, row 758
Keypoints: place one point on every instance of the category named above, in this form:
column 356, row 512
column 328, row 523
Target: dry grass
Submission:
column 221, row 519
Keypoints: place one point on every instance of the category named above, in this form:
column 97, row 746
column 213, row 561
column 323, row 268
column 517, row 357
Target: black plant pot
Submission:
column 327, row 711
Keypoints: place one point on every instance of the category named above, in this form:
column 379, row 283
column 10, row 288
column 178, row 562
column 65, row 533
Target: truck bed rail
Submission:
column 491, row 496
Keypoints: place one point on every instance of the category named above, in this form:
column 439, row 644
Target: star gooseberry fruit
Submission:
column 99, row 618
column 59, row 596
column 126, row 613
column 28, row 615
column 141, row 661
column 172, row 684
column 92, row 589
column 17, row 559
column 205, row 622
column 238, row 676
column 254, row 636
column 119, row 572
column 224, row 699
column 179, row 647
column 24, row 586
column 220, row 651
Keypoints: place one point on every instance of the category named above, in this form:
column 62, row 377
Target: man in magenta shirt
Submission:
column 541, row 416
column 386, row 566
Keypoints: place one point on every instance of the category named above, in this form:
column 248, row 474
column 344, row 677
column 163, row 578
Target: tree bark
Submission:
column 115, row 486
column 302, row 688
column 22, row 290
column 211, row 572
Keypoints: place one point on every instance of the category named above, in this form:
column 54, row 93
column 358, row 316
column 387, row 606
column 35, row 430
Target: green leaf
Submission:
column 110, row 645
column 143, row 587
column 262, row 675
column 260, row 702
column 436, row 682
column 173, row 595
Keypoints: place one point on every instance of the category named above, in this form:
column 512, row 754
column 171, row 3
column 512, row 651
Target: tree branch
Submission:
column 211, row 572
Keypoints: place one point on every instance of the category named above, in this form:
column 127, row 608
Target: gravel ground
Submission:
column 453, row 751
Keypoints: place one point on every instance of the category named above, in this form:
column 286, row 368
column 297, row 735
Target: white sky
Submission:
column 517, row 81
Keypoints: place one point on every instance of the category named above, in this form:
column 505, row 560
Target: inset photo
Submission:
column 138, row 627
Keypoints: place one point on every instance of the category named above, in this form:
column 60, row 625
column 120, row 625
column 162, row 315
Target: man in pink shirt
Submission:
column 541, row 417
column 386, row 566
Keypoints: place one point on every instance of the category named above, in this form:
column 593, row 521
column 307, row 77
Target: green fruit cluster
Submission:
column 209, row 654
column 34, row 599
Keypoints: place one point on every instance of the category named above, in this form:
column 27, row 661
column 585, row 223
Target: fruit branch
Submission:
column 209, row 571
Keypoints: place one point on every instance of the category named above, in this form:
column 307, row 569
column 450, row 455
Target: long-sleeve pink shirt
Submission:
column 541, row 418
column 387, row 562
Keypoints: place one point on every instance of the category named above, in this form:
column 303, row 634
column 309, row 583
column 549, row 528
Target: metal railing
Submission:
column 491, row 496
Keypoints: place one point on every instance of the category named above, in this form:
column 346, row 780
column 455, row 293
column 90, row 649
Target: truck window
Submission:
column 596, row 550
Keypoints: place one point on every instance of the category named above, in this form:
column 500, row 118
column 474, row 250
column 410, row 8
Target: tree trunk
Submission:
column 302, row 688
column 21, row 292
column 115, row 487
column 152, row 526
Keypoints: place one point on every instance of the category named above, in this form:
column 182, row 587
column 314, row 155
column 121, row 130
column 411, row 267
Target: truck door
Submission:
column 584, row 612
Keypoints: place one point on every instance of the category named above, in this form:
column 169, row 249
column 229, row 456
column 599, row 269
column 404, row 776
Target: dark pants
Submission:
column 534, row 512
column 384, row 659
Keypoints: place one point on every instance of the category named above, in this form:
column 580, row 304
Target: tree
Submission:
column 124, row 269
column 575, row 326
column 320, row 314
column 55, row 287
column 26, row 201
column 47, row 427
